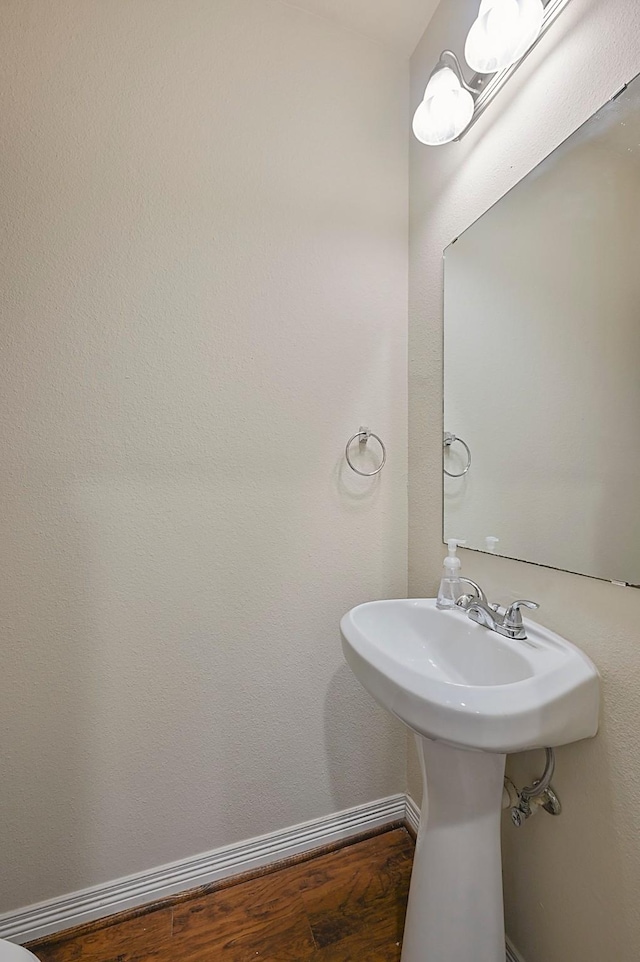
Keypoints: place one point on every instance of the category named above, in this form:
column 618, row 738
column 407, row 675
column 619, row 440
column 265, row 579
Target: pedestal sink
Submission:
column 471, row 696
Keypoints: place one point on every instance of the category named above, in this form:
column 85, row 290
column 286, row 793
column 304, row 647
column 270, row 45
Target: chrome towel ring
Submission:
column 363, row 436
column 449, row 439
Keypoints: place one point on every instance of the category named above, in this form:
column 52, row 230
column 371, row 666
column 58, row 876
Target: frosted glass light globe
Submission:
column 502, row 33
column 446, row 110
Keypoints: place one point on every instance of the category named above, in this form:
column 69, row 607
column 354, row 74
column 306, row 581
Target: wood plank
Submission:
column 361, row 947
column 281, row 935
column 346, row 905
column 253, row 920
column 142, row 939
column 88, row 927
column 346, row 896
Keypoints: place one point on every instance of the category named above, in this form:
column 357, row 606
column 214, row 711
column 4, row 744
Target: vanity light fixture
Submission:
column 447, row 107
column 500, row 38
column 502, row 33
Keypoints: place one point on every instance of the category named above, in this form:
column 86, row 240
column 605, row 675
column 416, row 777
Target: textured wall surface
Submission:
column 397, row 25
column 570, row 883
column 204, row 212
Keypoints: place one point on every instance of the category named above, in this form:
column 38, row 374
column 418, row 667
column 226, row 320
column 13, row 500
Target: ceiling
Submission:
column 396, row 23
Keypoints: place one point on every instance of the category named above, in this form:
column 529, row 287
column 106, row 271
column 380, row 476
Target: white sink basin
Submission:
column 455, row 681
column 471, row 695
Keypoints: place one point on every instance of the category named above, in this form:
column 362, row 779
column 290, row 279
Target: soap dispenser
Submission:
column 450, row 586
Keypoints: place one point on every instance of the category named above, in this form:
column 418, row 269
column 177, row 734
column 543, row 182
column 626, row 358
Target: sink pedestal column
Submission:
column 455, row 911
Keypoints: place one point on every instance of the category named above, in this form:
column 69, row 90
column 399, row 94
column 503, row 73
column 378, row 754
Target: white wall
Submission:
column 204, row 295
column 571, row 883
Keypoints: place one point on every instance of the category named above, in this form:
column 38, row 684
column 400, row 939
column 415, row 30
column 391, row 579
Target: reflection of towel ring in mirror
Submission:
column 363, row 436
column 448, row 441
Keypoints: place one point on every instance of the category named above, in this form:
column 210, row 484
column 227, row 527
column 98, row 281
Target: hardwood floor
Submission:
column 344, row 906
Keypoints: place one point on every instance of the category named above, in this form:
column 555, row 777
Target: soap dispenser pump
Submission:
column 450, row 585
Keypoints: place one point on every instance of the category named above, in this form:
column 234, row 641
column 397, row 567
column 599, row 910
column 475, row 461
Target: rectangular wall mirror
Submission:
column 542, row 360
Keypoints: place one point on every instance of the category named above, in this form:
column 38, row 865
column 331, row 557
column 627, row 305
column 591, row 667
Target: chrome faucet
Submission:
column 506, row 621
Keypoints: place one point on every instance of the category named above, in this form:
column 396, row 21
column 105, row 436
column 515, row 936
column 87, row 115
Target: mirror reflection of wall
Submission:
column 542, row 359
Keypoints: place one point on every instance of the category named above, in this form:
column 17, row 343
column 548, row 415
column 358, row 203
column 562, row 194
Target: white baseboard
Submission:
column 55, row 915
column 412, row 814
column 512, row 954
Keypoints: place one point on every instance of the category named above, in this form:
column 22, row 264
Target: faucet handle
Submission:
column 513, row 615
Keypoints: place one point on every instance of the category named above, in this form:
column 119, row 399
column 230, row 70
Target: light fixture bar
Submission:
column 450, row 55
column 486, row 86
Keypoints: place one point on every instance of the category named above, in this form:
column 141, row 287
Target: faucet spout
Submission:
column 479, row 593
